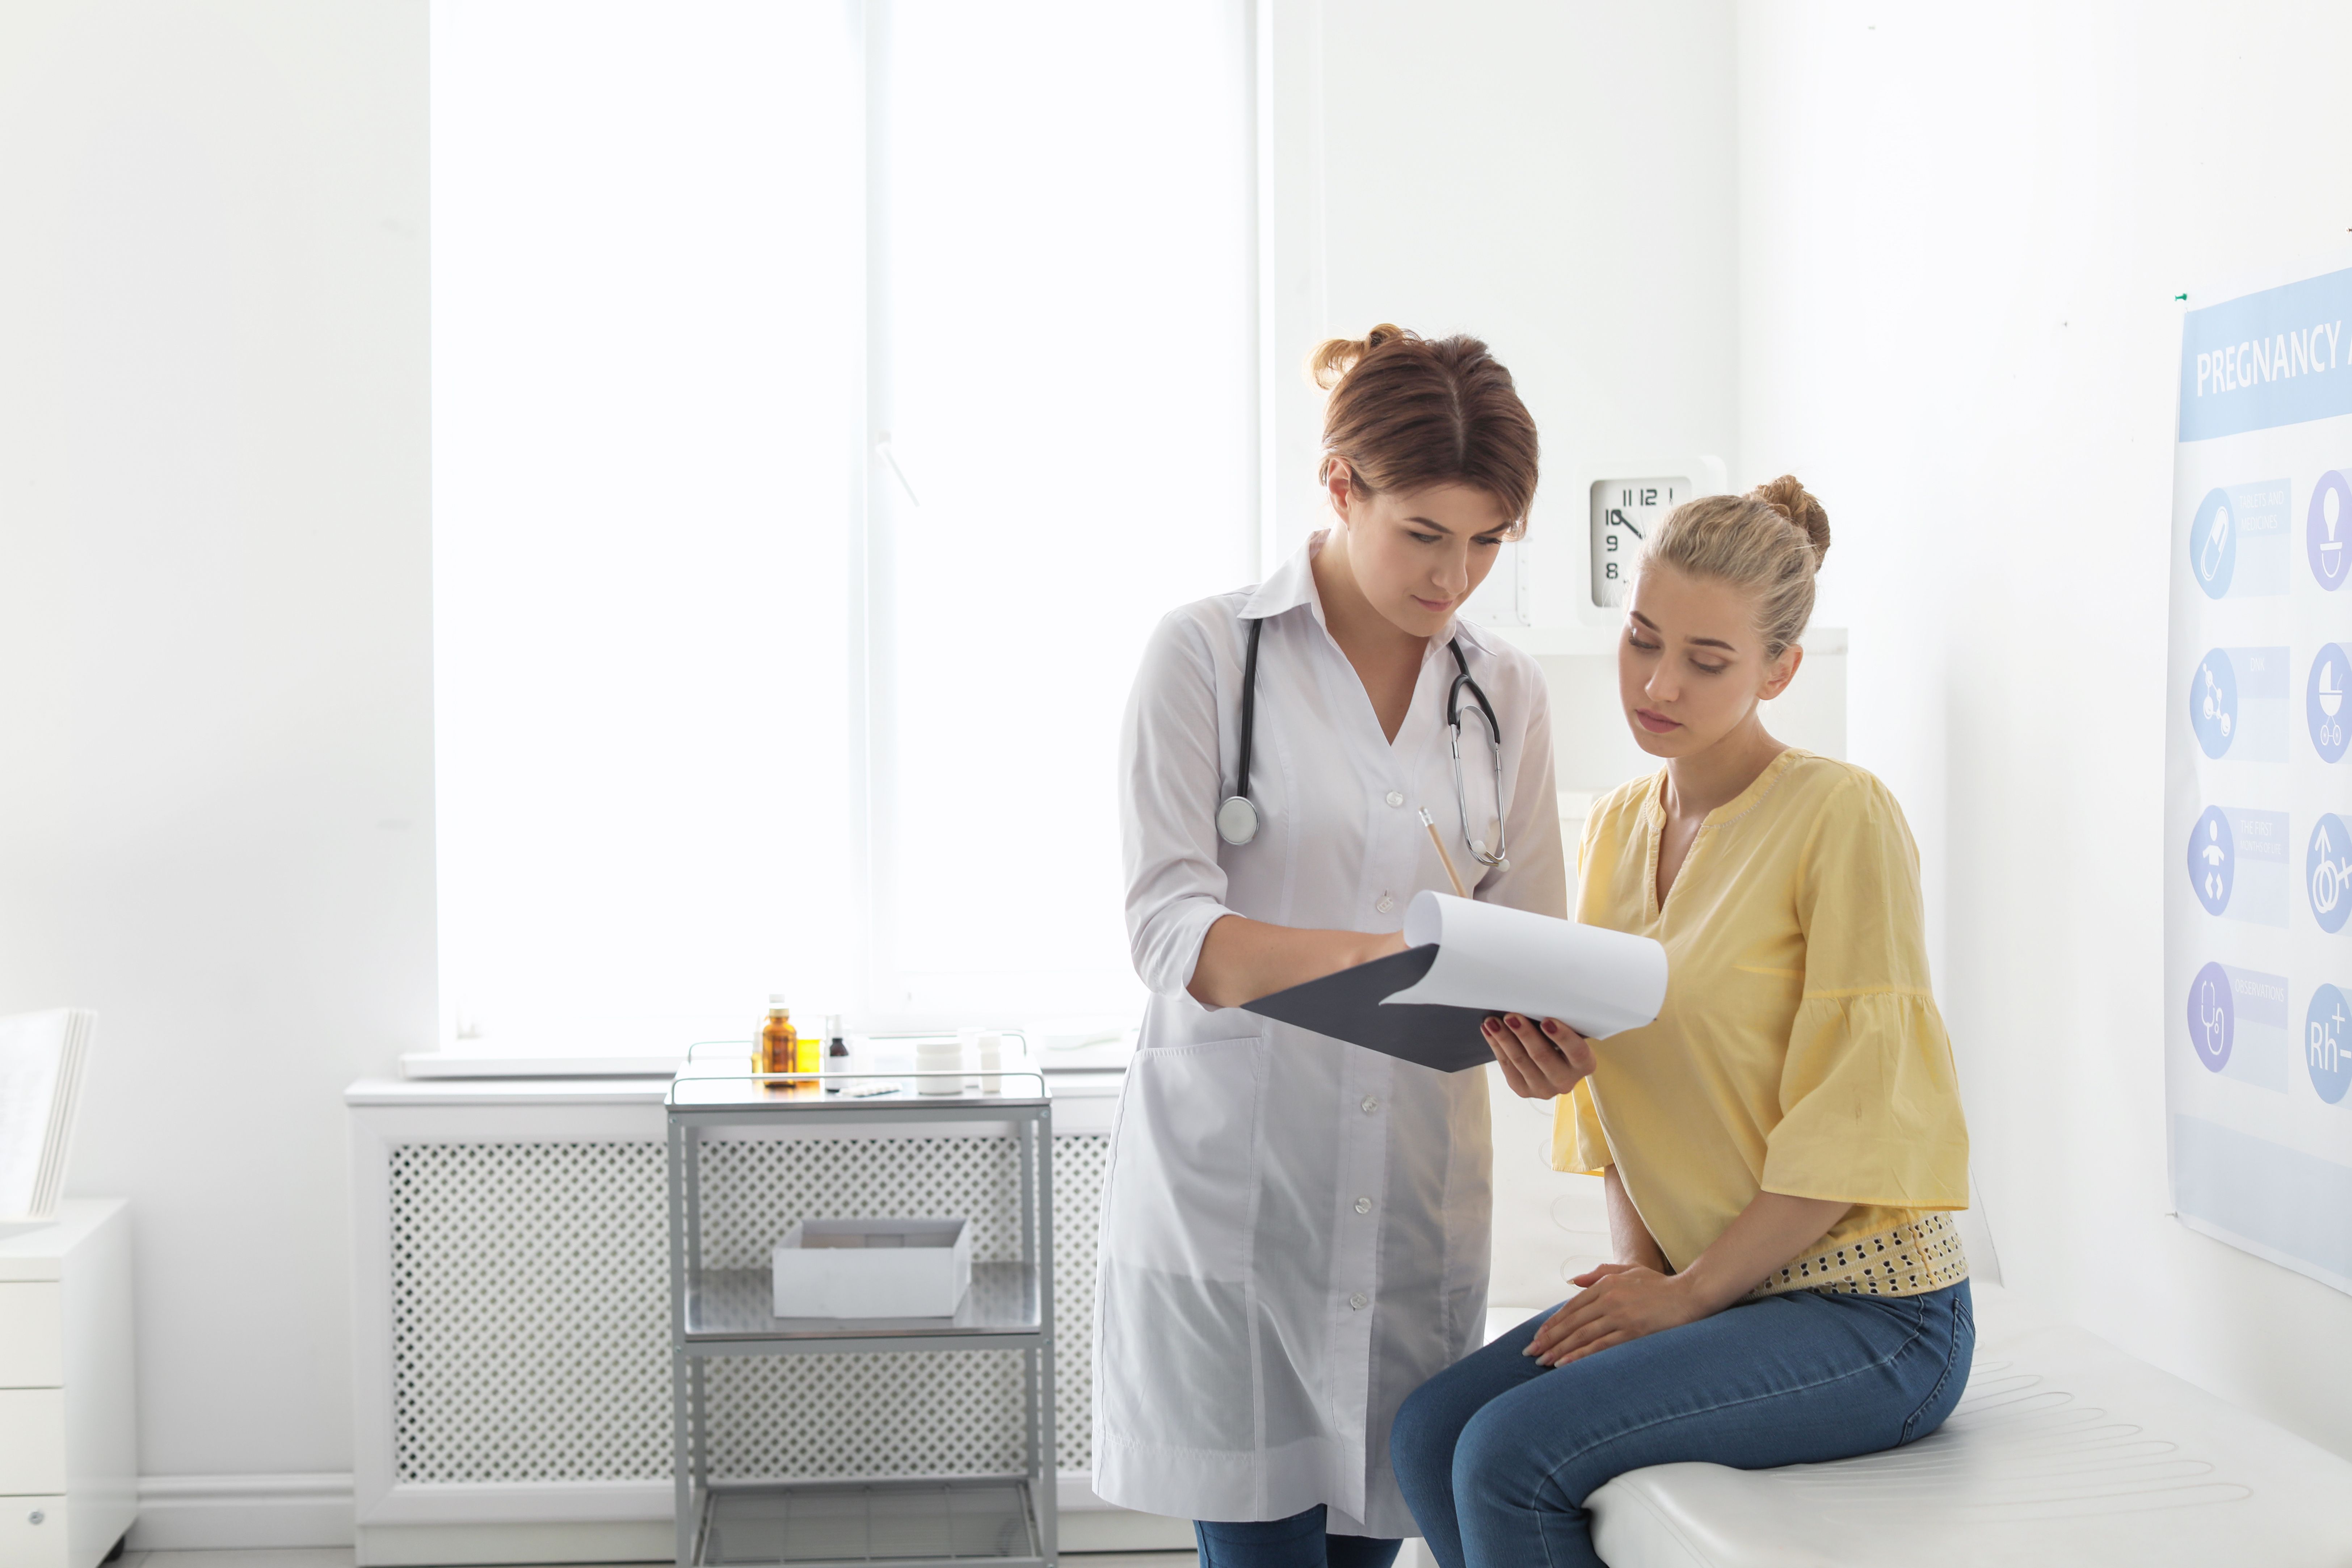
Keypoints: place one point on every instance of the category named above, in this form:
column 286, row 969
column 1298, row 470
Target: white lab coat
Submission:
column 1295, row 1230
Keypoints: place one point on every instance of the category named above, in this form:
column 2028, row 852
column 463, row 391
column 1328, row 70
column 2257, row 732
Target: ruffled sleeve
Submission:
column 1870, row 1102
column 1577, row 1143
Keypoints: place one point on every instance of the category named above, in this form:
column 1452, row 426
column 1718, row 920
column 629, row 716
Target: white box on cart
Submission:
column 873, row 1269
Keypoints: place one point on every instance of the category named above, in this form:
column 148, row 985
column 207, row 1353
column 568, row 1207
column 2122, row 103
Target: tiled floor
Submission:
column 341, row 1557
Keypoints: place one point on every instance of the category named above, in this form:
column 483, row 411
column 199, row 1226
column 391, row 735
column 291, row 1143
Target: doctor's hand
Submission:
column 1539, row 1061
column 1619, row 1301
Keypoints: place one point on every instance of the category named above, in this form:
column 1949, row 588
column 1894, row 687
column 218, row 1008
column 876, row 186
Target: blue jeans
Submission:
column 1497, row 1454
column 1298, row 1542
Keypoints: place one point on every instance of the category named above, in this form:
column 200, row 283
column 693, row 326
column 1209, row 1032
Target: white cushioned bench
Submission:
column 2065, row 1451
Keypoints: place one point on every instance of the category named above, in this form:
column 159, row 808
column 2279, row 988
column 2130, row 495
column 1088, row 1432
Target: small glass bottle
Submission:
column 779, row 1047
column 836, row 1049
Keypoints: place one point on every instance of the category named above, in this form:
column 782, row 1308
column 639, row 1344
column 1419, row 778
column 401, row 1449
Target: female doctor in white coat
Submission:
column 1295, row 1229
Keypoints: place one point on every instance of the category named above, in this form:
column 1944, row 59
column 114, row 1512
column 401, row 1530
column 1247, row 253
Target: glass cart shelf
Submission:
column 732, row 1305
column 1007, row 1519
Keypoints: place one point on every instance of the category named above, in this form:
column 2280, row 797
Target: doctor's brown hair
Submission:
column 1408, row 412
column 1769, row 542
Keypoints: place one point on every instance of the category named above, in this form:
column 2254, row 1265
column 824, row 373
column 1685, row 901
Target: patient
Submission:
column 1780, row 1148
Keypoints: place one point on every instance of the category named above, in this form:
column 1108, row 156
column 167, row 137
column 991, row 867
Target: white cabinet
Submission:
column 68, row 1449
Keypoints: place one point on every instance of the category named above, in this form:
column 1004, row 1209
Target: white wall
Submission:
column 217, row 815
column 1558, row 179
column 1961, row 233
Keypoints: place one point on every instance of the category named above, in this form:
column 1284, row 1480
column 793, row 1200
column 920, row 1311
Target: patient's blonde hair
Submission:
column 1767, row 542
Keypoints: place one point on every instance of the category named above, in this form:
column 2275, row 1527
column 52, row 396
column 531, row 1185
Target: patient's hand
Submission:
column 1619, row 1301
column 1540, row 1061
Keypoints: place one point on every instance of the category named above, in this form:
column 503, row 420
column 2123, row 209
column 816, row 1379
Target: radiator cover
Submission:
column 530, row 1311
column 510, row 1273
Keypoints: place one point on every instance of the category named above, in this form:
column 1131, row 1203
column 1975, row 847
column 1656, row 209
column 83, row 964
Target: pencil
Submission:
column 1442, row 858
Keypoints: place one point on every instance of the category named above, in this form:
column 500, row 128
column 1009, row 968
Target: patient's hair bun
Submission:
column 1788, row 496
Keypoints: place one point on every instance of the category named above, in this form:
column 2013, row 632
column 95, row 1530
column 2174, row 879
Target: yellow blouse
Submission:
column 1799, row 1050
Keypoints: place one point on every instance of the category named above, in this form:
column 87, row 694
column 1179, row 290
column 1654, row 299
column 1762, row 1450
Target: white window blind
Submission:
column 732, row 695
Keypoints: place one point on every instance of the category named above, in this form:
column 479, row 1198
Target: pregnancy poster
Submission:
column 2258, row 797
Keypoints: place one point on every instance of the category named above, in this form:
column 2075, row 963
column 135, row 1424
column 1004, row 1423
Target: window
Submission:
column 826, row 402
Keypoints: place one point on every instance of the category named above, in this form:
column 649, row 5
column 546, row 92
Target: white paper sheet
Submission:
column 41, row 1055
column 32, row 1055
column 1508, row 961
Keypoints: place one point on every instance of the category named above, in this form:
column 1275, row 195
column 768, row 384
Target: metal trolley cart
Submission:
column 1002, row 1518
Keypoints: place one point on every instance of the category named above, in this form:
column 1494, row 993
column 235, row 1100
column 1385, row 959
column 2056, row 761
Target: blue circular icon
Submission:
column 2327, row 1042
column 2213, row 544
column 2327, row 530
column 2212, row 1016
column 2323, row 698
column 2213, row 859
column 2213, row 702
column 2327, row 872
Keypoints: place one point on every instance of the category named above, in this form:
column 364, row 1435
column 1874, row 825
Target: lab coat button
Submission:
column 1363, row 1205
column 1394, row 798
column 1384, row 903
column 1370, row 1105
column 1359, row 1301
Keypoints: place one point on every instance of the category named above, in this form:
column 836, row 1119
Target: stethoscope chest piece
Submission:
column 1237, row 819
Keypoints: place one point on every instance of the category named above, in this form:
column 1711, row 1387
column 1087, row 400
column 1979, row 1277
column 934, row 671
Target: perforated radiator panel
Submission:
column 531, row 1310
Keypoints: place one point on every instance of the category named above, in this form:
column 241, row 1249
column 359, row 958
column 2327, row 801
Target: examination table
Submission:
column 2065, row 1451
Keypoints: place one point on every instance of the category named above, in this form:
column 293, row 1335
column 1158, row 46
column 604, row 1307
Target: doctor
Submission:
column 1295, row 1230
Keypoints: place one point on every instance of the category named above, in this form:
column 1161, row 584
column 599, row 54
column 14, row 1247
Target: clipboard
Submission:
column 1470, row 961
column 1352, row 1006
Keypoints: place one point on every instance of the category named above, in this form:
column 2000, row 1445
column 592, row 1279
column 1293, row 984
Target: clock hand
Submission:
column 1618, row 517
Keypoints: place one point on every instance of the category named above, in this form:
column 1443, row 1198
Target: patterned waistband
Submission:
column 1909, row 1259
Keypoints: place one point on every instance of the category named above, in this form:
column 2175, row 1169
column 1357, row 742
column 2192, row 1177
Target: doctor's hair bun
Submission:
column 1788, row 496
column 1334, row 357
column 1406, row 412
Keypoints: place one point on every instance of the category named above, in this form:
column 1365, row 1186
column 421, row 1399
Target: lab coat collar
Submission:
column 1292, row 585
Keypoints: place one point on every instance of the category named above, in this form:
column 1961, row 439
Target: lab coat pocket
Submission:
column 1183, row 1187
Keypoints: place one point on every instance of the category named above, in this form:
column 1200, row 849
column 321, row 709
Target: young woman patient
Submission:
column 1780, row 1148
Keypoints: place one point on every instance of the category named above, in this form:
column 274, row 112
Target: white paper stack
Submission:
column 41, row 1057
column 873, row 1269
column 1502, row 960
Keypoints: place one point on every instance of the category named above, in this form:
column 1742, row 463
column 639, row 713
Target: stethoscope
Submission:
column 1237, row 819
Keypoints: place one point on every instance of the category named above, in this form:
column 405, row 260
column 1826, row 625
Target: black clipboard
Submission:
column 1348, row 1006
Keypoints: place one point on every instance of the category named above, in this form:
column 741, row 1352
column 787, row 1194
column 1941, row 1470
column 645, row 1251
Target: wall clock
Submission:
column 1626, row 515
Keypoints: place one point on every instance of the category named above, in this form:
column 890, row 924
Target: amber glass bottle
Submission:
column 779, row 1049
